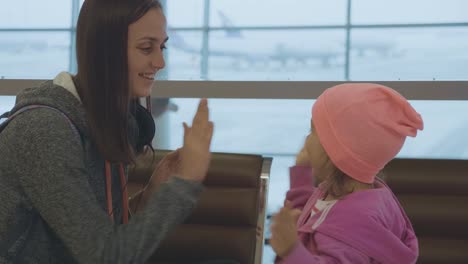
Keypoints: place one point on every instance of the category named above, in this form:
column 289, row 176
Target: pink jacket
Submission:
column 364, row 227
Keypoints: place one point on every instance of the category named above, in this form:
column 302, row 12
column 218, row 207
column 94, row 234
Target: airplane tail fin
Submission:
column 226, row 22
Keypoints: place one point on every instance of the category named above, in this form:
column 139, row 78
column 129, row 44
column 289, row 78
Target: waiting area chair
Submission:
column 434, row 194
column 224, row 223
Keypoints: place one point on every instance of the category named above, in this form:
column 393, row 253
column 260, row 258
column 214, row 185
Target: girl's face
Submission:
column 146, row 41
column 319, row 159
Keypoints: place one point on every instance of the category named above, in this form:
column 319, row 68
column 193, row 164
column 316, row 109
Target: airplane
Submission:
column 282, row 53
column 382, row 48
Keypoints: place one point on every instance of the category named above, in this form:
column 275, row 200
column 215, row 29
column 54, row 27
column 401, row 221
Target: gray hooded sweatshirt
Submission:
column 52, row 198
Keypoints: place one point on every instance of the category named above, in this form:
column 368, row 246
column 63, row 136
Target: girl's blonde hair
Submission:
column 336, row 184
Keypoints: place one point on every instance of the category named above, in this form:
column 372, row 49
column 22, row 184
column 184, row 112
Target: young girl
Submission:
column 351, row 216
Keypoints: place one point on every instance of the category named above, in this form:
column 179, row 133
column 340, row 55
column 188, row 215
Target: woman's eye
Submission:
column 147, row 50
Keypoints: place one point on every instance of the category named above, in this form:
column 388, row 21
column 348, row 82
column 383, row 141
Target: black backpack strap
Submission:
column 5, row 115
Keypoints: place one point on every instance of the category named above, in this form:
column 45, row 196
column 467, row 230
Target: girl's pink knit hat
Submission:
column 362, row 126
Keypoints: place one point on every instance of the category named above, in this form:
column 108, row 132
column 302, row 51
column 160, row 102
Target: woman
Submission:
column 63, row 181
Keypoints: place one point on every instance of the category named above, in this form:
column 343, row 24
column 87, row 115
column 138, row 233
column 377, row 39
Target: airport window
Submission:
column 298, row 40
column 33, row 14
column 37, row 55
column 186, row 14
column 181, row 64
column 270, row 13
column 405, row 12
column 409, row 54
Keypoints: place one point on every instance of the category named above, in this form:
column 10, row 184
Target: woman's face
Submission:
column 146, row 41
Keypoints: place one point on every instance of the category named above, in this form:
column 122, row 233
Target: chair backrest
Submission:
column 224, row 223
column 434, row 193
